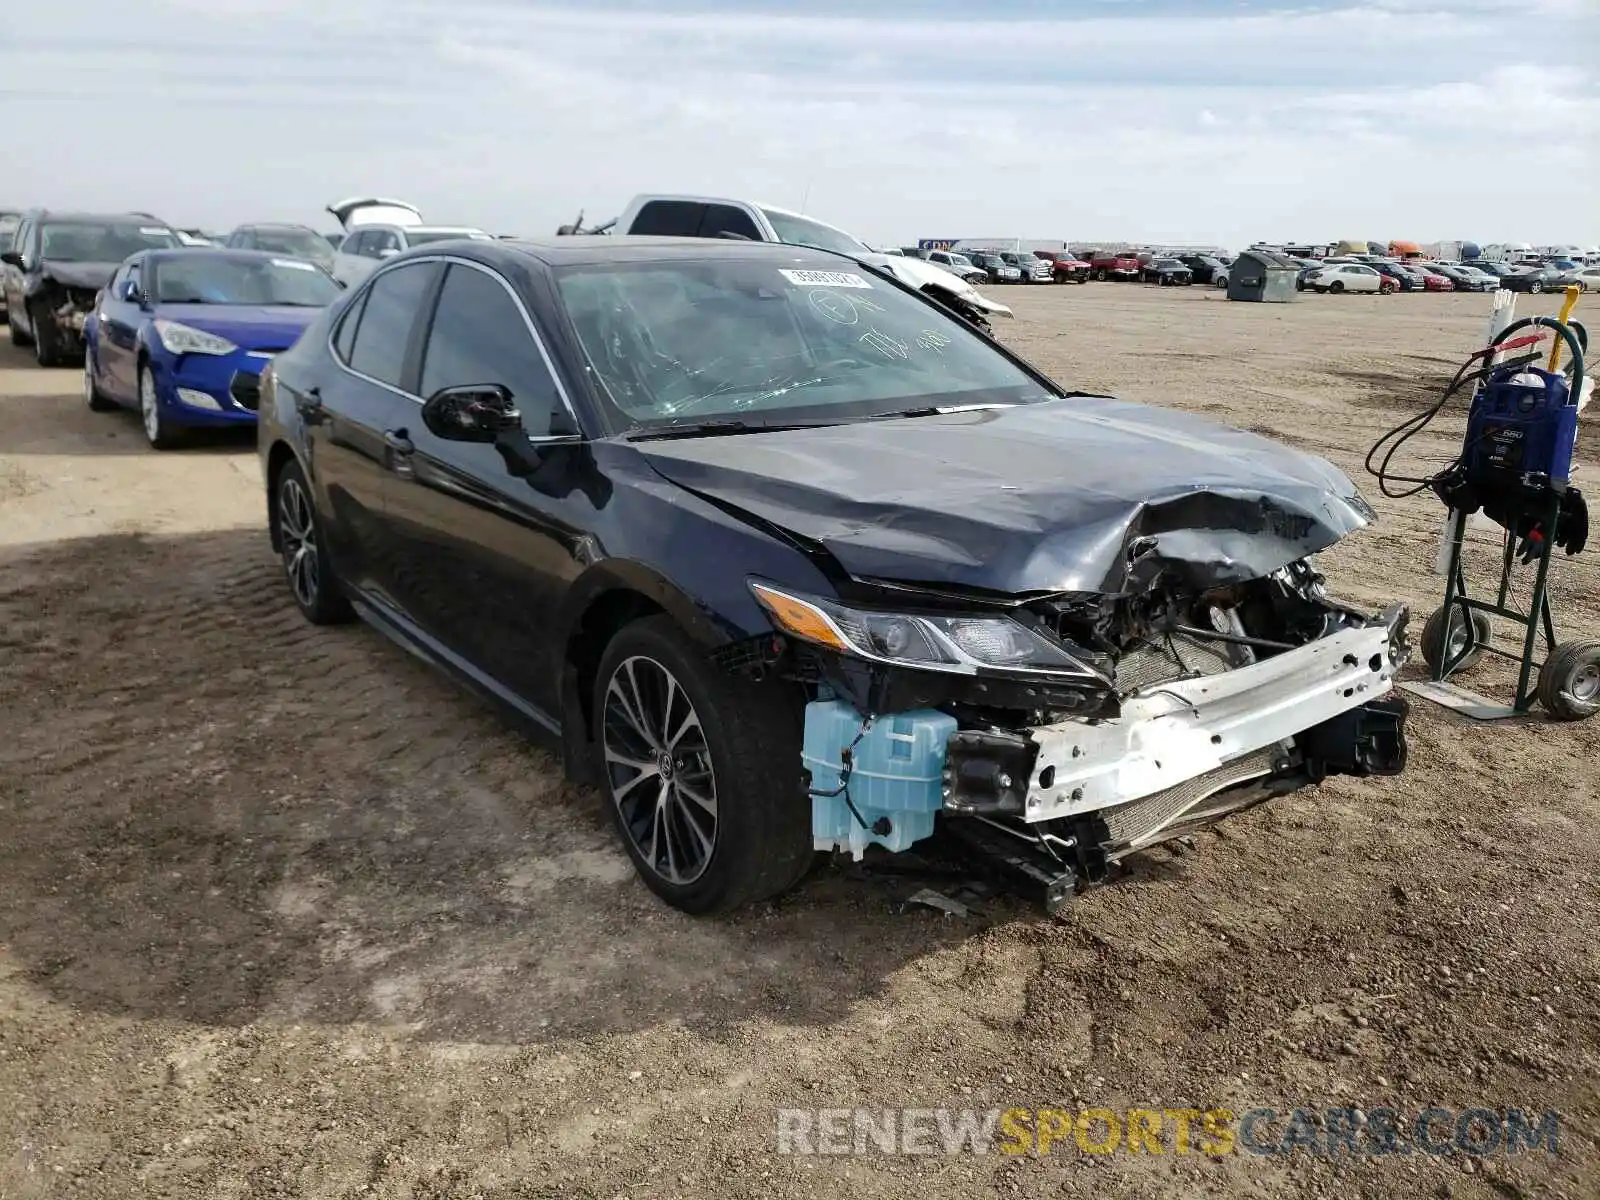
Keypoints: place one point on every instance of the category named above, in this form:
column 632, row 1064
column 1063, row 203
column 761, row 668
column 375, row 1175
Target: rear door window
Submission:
column 669, row 218
column 345, row 338
column 387, row 318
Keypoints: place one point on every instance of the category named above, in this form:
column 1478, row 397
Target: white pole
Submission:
column 1503, row 312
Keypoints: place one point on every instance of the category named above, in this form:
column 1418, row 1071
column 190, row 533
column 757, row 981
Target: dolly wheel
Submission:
column 1569, row 681
column 1436, row 650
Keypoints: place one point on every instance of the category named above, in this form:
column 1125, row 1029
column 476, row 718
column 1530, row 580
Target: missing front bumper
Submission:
column 1171, row 733
column 1050, row 864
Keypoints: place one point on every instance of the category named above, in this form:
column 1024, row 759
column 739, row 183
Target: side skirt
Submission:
column 537, row 724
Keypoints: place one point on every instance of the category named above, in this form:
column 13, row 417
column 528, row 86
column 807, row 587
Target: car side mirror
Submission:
column 473, row 412
column 129, row 292
column 388, row 252
column 12, row 259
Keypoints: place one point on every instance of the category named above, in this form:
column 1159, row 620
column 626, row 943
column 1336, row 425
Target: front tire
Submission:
column 47, row 349
column 157, row 431
column 306, row 565
column 1536, row 286
column 701, row 771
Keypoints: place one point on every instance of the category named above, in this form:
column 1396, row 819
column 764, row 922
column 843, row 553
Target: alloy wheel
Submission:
column 149, row 406
column 297, row 530
column 658, row 769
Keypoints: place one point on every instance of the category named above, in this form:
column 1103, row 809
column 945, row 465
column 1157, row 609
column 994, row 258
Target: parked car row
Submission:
column 1426, row 275
column 1065, row 266
column 178, row 324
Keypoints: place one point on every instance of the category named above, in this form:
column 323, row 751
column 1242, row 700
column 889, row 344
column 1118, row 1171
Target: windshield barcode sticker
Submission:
column 289, row 262
column 844, row 279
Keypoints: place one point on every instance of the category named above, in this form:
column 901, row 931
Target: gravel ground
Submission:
column 282, row 913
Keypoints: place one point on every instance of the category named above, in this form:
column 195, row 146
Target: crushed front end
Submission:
column 67, row 306
column 1053, row 736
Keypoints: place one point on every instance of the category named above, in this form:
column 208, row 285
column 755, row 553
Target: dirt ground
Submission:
column 282, row 913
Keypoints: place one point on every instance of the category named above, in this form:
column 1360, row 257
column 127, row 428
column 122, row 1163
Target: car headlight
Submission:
column 957, row 644
column 184, row 339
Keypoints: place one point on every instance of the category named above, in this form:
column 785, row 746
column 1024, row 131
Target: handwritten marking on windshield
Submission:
column 932, row 339
column 833, row 307
column 884, row 344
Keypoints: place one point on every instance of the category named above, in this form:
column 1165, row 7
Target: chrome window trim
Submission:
column 527, row 320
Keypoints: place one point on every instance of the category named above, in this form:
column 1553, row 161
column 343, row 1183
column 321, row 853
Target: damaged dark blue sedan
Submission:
column 790, row 558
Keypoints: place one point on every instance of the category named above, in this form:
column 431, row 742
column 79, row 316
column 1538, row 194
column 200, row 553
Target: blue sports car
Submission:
column 182, row 335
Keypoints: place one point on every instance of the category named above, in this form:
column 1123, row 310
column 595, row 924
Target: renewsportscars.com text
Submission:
column 1218, row 1131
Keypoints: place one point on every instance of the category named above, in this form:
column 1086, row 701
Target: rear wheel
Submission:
column 1336, row 287
column 701, row 770
column 1536, row 285
column 92, row 395
column 1569, row 681
column 306, row 564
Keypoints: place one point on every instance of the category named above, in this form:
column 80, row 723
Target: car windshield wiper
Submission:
column 938, row 410
column 720, row 428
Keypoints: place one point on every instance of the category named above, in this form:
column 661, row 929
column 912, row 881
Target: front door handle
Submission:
column 398, row 441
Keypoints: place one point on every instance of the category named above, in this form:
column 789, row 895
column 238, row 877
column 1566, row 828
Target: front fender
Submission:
column 695, row 616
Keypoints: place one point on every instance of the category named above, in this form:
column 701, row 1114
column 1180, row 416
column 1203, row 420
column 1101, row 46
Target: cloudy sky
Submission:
column 1177, row 120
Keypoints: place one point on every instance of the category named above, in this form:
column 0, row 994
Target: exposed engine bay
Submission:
column 1181, row 707
column 67, row 306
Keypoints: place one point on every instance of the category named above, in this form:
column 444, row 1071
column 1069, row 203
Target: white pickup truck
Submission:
column 746, row 220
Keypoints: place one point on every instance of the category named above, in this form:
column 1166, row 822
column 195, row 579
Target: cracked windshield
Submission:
column 697, row 339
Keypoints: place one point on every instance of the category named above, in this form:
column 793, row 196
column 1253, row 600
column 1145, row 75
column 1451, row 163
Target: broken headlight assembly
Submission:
column 961, row 645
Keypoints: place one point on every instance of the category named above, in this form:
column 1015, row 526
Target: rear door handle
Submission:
column 397, row 441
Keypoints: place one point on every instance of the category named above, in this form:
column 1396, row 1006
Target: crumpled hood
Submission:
column 267, row 328
column 1056, row 496
column 80, row 274
column 918, row 273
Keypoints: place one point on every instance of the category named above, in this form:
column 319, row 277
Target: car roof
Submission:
column 85, row 218
column 212, row 252
column 582, row 249
column 275, row 225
